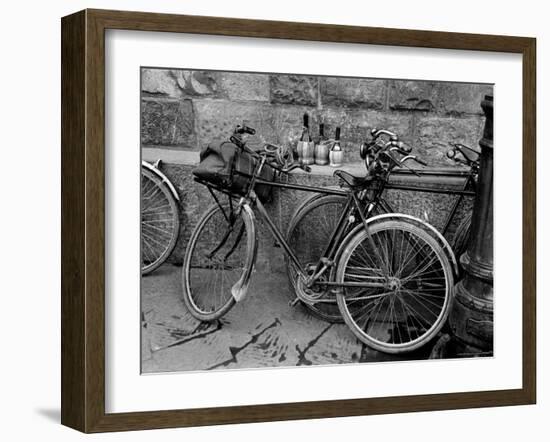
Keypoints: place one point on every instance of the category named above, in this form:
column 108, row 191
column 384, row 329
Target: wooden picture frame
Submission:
column 83, row 220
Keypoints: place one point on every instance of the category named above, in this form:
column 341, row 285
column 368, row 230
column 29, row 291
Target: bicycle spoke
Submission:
column 419, row 295
column 382, row 323
column 374, row 321
column 415, row 249
column 418, row 314
column 405, row 317
column 154, row 209
column 414, row 273
column 159, row 230
column 366, row 297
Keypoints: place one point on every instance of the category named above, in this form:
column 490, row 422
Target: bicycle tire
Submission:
column 462, row 236
column 418, row 300
column 160, row 221
column 204, row 250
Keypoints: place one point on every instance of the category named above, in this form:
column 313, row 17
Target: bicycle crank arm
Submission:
column 313, row 279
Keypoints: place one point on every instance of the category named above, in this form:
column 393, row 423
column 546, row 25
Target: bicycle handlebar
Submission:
column 414, row 158
column 380, row 155
column 377, row 132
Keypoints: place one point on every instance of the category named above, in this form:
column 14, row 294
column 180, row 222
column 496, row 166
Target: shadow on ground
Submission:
column 262, row 331
column 51, row 414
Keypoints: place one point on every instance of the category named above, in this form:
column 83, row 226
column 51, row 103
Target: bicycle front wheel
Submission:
column 220, row 254
column 400, row 286
column 160, row 222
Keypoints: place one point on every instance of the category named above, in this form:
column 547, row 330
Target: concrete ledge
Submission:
column 191, row 158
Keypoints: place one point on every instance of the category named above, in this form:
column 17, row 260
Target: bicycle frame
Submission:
column 461, row 193
column 250, row 201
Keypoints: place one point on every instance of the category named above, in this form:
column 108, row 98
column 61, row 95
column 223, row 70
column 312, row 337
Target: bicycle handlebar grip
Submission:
column 248, row 130
column 405, row 147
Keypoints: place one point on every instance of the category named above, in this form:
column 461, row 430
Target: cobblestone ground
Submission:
column 262, row 331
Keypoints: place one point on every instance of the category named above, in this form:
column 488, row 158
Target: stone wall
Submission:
column 183, row 111
column 186, row 110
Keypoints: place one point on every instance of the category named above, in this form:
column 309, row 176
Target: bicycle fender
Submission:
column 430, row 229
column 240, row 288
column 426, row 226
column 163, row 178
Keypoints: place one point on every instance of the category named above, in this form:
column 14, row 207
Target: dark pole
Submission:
column 471, row 317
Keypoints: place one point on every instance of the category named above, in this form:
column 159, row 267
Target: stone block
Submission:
column 288, row 121
column 457, row 99
column 412, row 95
column 294, row 89
column 167, row 123
column 161, row 82
column 245, row 87
column 216, row 120
column 444, row 98
column 433, row 134
column 353, row 92
column 199, row 83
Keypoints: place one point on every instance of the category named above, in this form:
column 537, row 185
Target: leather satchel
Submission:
column 228, row 167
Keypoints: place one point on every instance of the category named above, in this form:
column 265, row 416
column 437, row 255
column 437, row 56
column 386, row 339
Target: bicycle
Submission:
column 159, row 217
column 324, row 210
column 391, row 275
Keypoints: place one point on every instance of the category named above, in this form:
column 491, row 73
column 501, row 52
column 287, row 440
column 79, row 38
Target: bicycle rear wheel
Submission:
column 220, row 256
column 408, row 286
column 159, row 221
column 308, row 233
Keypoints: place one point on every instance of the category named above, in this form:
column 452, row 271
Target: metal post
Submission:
column 471, row 317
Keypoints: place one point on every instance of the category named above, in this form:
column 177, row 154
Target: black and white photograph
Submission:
column 260, row 221
column 298, row 220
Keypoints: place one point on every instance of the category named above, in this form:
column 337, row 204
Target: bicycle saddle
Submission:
column 351, row 180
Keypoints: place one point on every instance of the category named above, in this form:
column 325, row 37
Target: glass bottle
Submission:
column 336, row 155
column 306, row 146
column 322, row 147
